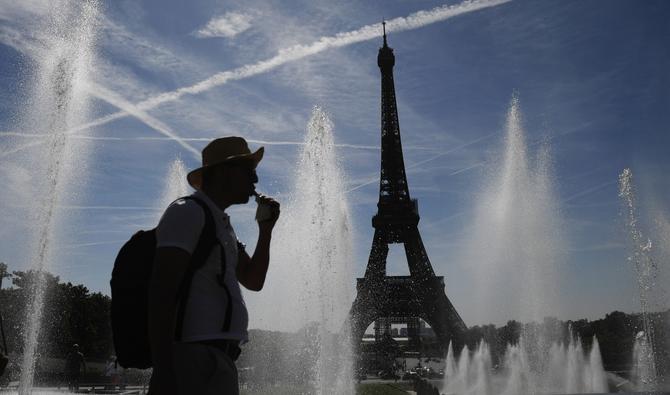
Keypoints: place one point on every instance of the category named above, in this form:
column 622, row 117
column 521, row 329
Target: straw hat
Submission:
column 224, row 150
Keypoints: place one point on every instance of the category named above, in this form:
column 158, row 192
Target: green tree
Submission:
column 71, row 314
column 28, row 279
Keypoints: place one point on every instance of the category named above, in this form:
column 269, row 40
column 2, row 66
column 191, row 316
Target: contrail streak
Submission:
column 359, row 186
column 96, row 243
column 21, row 148
column 460, row 147
column 204, row 139
column 297, row 52
column 286, row 55
column 143, row 208
column 117, row 101
column 21, row 134
column 589, row 191
column 467, row 168
column 152, row 138
column 113, row 208
column 376, row 179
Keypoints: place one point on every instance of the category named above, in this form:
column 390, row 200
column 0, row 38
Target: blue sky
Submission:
column 591, row 77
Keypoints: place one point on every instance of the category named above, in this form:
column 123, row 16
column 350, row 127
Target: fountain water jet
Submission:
column 176, row 185
column 646, row 269
column 518, row 220
column 568, row 370
column 312, row 251
column 644, row 366
column 58, row 103
column 326, row 269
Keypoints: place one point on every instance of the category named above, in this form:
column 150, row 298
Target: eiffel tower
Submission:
column 386, row 299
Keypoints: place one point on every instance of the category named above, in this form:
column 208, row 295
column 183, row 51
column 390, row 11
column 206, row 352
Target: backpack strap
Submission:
column 206, row 242
column 220, row 278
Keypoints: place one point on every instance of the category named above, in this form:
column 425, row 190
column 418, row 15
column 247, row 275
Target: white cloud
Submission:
column 228, row 25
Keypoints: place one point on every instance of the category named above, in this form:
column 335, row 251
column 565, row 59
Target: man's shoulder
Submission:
column 182, row 215
column 187, row 200
column 186, row 205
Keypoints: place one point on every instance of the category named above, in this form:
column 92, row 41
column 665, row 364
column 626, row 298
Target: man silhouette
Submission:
column 197, row 355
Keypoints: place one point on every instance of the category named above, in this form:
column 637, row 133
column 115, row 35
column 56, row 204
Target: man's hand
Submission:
column 268, row 224
column 251, row 271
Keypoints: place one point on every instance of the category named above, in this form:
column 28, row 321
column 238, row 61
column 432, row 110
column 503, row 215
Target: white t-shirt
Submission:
column 180, row 226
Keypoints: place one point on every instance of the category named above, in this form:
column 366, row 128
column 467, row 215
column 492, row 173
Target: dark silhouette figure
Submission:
column 74, row 364
column 195, row 342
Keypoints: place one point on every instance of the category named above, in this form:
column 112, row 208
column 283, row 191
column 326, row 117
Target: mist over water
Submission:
column 58, row 102
column 516, row 240
column 309, row 285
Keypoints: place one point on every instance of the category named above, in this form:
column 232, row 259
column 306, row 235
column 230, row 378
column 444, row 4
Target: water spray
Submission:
column 646, row 271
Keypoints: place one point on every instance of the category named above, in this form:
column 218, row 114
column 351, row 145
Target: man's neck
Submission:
column 219, row 198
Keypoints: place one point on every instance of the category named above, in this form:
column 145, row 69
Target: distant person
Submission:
column 197, row 355
column 4, row 360
column 74, row 364
column 4, row 352
column 113, row 372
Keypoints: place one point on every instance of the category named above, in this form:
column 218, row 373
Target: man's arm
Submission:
column 170, row 265
column 251, row 271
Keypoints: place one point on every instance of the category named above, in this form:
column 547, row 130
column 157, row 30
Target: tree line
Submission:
column 74, row 314
column 71, row 314
column 615, row 332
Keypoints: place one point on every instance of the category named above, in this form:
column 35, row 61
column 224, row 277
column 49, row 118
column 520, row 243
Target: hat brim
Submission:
column 194, row 177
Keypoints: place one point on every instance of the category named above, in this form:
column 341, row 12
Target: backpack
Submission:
column 130, row 281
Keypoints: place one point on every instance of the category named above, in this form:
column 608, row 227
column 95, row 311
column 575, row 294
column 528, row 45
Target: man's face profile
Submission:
column 238, row 179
